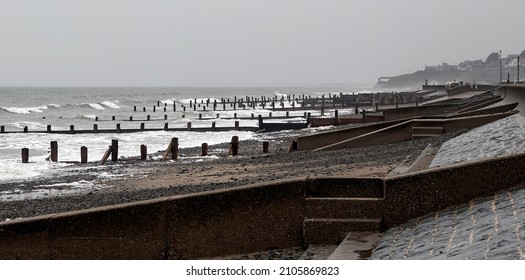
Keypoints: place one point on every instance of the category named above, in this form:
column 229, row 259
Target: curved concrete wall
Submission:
column 513, row 94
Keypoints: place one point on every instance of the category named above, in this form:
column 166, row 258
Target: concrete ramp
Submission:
column 513, row 94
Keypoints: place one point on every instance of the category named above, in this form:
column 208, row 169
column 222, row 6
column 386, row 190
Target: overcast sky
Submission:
column 245, row 43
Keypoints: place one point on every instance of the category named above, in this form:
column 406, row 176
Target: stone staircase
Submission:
column 419, row 132
column 334, row 208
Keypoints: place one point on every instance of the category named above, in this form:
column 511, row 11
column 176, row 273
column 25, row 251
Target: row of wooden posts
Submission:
column 171, row 152
column 250, row 102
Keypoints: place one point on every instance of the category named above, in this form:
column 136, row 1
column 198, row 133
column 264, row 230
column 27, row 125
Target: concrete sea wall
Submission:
column 250, row 218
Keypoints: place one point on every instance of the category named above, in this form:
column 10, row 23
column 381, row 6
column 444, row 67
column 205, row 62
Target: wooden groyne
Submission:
column 171, row 152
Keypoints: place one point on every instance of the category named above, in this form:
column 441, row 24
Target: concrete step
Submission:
column 344, row 187
column 343, row 208
column 419, row 132
column 421, row 136
column 333, row 231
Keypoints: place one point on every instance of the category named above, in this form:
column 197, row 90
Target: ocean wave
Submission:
column 93, row 105
column 30, row 125
column 110, row 104
column 25, row 110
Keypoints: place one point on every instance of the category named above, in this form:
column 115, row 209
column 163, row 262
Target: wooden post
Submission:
column 148, row 117
column 114, row 150
column 204, row 149
column 54, row 151
column 265, row 147
column 166, row 126
column 143, row 109
column 143, row 152
column 260, row 122
column 83, row 154
column 141, row 126
column 174, row 148
column 130, row 118
column 154, row 109
column 25, row 155
column 95, row 127
column 165, row 117
column 236, row 125
column 112, row 118
column 200, row 116
column 2, row 129
column 336, row 114
column 134, row 108
column 234, row 115
column 118, row 128
column 106, row 156
column 26, row 129
column 212, row 124
column 72, row 128
column 48, row 128
column 234, row 146
column 189, row 126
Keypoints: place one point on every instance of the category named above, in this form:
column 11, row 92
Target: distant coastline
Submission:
column 469, row 71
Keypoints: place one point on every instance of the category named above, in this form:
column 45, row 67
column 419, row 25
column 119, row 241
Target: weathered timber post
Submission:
column 118, row 128
column 234, row 146
column 200, row 116
column 130, row 118
column 143, row 152
column 165, row 126
column 261, row 122
column 48, row 128
column 143, row 109
column 83, row 154
column 204, row 148
column 148, row 117
column 236, row 125
column 287, row 114
column 2, row 129
column 189, row 126
column 96, row 118
column 134, row 108
column 95, row 127
column 114, row 150
column 336, row 114
column 174, row 146
column 26, row 129
column 25, row 155
column 322, row 110
column 164, row 109
column 265, row 147
column 112, row 118
column 154, row 109
column 54, row 151
column 72, row 128
column 165, row 117
column 212, row 124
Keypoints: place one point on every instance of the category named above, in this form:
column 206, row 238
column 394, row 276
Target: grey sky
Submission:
column 245, row 43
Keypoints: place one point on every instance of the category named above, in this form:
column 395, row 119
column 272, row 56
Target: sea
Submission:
column 82, row 107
